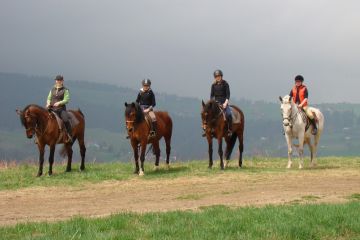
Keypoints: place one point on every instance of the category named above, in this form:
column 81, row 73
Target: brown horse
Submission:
column 215, row 126
column 138, row 130
column 38, row 120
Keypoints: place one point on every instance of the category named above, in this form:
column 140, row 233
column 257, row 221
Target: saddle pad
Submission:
column 72, row 119
column 236, row 118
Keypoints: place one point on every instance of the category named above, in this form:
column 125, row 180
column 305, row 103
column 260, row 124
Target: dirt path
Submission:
column 141, row 195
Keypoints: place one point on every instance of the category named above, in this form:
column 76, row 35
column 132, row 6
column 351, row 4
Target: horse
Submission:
column 138, row 130
column 43, row 123
column 295, row 124
column 215, row 126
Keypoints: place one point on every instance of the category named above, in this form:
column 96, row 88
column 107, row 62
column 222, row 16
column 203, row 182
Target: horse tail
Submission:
column 231, row 145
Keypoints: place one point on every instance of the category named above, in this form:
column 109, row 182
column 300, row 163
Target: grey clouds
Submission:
column 260, row 45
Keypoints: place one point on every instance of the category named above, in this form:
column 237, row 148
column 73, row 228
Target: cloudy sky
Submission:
column 259, row 44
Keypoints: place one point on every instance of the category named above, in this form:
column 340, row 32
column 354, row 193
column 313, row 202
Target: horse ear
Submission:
column 126, row 104
column 202, row 102
column 18, row 112
column 280, row 98
column 290, row 99
column 133, row 104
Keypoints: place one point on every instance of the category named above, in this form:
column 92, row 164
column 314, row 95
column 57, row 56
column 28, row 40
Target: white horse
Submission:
column 294, row 123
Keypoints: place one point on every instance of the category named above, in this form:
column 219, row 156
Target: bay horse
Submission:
column 138, row 130
column 295, row 127
column 42, row 123
column 215, row 126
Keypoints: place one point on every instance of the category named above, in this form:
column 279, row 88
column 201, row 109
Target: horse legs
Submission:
column 220, row 152
column 157, row 154
column 142, row 158
column 301, row 151
column 289, row 143
column 241, row 149
column 41, row 148
column 210, row 151
column 51, row 158
column 82, row 153
column 69, row 155
column 168, row 149
column 315, row 145
column 134, row 145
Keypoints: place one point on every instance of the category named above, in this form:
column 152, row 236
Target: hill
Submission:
column 103, row 106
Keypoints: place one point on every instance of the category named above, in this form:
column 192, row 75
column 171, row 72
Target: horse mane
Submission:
column 139, row 115
column 212, row 106
column 22, row 115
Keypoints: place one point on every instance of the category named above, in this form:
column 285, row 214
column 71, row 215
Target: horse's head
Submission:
column 28, row 120
column 133, row 115
column 210, row 113
column 286, row 109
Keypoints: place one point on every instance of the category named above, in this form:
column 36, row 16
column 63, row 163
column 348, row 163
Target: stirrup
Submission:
column 68, row 139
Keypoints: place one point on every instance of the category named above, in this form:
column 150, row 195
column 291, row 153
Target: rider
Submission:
column 57, row 99
column 146, row 99
column 220, row 92
column 299, row 94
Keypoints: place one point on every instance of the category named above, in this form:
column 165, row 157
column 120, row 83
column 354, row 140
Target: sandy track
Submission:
column 141, row 195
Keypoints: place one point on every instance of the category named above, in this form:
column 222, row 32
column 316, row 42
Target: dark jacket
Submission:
column 146, row 98
column 220, row 91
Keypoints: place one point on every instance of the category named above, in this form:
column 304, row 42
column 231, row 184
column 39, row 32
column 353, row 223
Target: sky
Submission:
column 260, row 45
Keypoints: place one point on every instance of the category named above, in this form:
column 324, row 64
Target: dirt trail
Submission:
column 142, row 195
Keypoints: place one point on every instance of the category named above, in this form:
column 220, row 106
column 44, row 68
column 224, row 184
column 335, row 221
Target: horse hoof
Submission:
column 209, row 167
column 39, row 175
column 141, row 173
column 50, row 173
column 68, row 170
column 167, row 166
column 301, row 167
column 156, row 168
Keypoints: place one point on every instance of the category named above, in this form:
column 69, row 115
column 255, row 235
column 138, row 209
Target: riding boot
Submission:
column 153, row 129
column 229, row 126
column 313, row 123
column 68, row 131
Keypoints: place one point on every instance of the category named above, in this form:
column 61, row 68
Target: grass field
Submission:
column 304, row 218
column 21, row 176
column 219, row 222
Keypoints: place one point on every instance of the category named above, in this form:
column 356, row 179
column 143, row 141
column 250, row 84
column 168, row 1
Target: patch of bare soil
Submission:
column 142, row 195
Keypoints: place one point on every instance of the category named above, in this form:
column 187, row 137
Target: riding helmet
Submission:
column 299, row 78
column 146, row 81
column 218, row 73
column 59, row 77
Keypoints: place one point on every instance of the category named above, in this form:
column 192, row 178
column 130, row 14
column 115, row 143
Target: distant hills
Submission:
column 103, row 106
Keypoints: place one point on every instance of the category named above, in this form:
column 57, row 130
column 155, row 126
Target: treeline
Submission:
column 103, row 106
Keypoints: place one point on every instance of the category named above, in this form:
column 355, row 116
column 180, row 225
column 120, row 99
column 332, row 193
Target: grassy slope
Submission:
column 24, row 175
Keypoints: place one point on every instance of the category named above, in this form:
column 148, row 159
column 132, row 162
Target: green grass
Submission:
column 306, row 222
column 24, row 175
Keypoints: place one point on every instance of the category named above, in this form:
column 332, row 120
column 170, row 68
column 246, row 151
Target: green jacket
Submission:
column 61, row 95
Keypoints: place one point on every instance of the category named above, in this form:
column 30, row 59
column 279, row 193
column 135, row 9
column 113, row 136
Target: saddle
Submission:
column 236, row 118
column 307, row 119
column 72, row 120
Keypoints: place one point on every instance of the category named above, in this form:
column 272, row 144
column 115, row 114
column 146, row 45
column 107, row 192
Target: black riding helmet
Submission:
column 299, row 78
column 218, row 73
column 146, row 81
column 59, row 77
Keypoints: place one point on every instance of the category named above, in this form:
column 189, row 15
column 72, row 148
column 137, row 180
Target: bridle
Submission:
column 291, row 118
column 205, row 122
column 35, row 128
